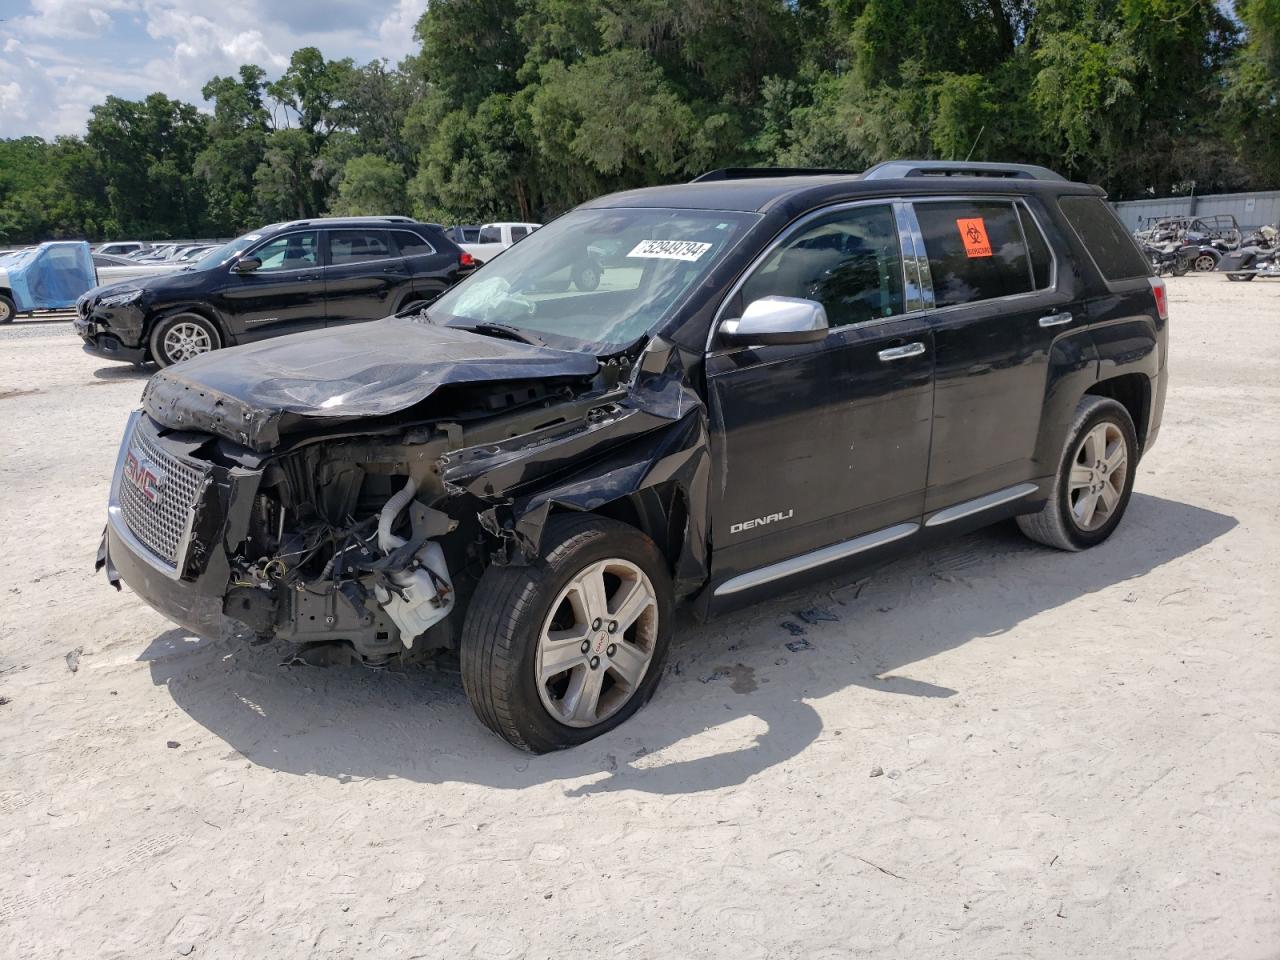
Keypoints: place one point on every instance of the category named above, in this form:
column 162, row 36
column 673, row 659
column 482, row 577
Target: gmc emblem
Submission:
column 144, row 475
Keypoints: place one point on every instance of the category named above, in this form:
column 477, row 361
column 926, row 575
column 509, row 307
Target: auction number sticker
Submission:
column 669, row 250
column 974, row 234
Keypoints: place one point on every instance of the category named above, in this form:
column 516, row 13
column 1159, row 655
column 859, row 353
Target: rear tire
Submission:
column 8, row 309
column 181, row 337
column 1243, row 277
column 1206, row 262
column 1091, row 489
column 540, row 665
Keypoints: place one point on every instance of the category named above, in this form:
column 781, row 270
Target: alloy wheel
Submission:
column 597, row 643
column 1098, row 475
column 185, row 340
column 1205, row 263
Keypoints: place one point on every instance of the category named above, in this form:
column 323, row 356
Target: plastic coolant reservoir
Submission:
column 422, row 606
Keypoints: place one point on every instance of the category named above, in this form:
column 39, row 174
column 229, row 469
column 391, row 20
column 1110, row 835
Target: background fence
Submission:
column 1251, row 210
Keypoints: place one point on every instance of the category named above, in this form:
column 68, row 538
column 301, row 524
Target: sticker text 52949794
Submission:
column 669, row 249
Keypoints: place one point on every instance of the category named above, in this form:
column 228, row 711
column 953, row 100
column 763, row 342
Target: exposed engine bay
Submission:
column 361, row 538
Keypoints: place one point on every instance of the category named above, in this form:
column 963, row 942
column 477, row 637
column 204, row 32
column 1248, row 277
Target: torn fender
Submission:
column 653, row 438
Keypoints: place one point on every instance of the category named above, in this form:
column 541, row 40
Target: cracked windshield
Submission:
column 595, row 279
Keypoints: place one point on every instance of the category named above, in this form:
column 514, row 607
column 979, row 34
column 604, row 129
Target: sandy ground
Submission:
column 1081, row 754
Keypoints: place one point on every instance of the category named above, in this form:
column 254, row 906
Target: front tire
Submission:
column 8, row 309
column 181, row 337
column 1094, row 481
column 562, row 650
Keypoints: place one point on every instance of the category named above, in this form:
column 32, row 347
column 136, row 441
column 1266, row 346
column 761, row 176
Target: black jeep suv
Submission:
column 777, row 377
column 280, row 279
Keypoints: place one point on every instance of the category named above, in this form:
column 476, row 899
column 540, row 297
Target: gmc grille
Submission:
column 162, row 521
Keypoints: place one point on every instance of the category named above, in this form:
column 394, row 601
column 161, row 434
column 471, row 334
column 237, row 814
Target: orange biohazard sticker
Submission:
column 974, row 234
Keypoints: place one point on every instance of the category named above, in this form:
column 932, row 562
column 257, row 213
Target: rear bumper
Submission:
column 1159, row 384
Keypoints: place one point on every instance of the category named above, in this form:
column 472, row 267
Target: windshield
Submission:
column 595, row 279
column 220, row 255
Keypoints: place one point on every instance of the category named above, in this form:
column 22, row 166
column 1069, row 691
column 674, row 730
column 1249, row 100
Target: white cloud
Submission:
column 396, row 31
column 71, row 19
column 64, row 56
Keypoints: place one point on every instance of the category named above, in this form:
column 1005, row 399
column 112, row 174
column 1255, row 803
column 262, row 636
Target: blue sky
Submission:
column 60, row 57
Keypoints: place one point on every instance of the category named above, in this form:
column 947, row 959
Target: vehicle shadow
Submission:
column 760, row 665
column 123, row 371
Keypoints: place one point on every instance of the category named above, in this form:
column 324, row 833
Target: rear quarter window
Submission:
column 411, row 245
column 1112, row 249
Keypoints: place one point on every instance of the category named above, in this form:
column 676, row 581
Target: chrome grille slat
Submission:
column 161, row 526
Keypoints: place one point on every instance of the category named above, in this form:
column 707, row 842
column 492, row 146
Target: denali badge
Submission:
column 760, row 521
column 145, row 475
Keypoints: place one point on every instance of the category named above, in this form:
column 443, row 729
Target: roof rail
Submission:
column 756, row 173
column 901, row 169
column 323, row 220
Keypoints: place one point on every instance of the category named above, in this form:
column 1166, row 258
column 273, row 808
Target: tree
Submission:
column 1252, row 95
column 237, row 145
column 371, row 185
column 146, row 151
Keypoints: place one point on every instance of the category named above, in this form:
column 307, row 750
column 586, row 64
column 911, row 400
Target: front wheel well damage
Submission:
column 661, row 513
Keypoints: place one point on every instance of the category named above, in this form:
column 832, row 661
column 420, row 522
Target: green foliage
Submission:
column 523, row 108
column 1252, row 96
column 371, row 185
column 237, row 146
column 145, row 151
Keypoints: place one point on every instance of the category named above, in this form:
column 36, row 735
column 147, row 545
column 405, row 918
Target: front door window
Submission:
column 847, row 260
column 293, row 251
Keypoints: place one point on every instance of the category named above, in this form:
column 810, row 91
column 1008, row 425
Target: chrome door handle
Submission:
column 901, row 353
column 1056, row 319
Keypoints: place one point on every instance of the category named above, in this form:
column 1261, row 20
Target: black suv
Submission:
column 280, row 279
column 776, row 377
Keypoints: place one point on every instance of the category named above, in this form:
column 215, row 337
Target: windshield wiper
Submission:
column 492, row 329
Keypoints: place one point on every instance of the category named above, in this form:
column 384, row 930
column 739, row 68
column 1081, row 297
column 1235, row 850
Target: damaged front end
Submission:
column 360, row 536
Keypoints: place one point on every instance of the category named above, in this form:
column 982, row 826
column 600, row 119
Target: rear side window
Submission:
column 490, row 235
column 976, row 250
column 1041, row 258
column 353, row 246
column 411, row 245
column 1112, row 249
column 519, row 233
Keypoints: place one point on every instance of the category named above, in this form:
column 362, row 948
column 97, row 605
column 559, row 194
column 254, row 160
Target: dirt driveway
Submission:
column 1080, row 754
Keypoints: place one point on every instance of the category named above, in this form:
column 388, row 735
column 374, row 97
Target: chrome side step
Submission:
column 807, row 561
column 970, row 507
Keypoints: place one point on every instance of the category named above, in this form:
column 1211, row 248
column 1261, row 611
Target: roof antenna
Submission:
column 981, row 131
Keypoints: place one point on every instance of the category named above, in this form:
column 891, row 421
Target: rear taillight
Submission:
column 466, row 260
column 1162, row 297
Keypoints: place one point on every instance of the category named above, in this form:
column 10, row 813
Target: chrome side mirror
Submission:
column 247, row 264
column 776, row 320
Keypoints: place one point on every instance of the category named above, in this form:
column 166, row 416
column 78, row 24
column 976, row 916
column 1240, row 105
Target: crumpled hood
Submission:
column 171, row 281
column 256, row 393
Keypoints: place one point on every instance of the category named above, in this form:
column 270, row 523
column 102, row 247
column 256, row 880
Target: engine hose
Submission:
column 388, row 541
